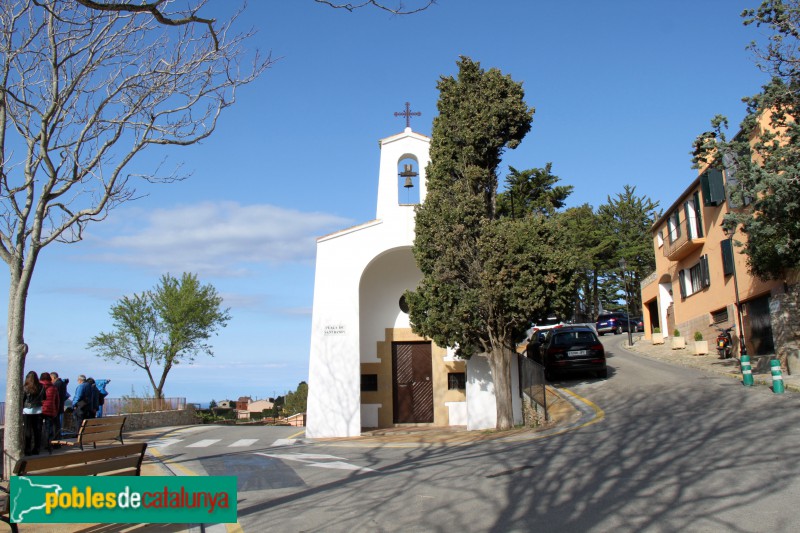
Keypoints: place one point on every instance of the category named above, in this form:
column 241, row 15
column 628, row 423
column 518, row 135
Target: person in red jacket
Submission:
column 50, row 405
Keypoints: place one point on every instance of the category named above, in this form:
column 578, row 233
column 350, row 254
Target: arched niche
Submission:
column 408, row 173
column 382, row 285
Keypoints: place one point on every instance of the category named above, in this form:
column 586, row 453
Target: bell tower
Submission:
column 401, row 179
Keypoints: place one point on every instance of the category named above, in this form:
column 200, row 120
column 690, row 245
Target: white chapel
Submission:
column 367, row 369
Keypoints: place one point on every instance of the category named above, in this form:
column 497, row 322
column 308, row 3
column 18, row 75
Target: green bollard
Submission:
column 747, row 372
column 777, row 377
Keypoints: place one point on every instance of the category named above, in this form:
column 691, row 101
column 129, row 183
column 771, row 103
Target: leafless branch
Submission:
column 398, row 10
column 153, row 8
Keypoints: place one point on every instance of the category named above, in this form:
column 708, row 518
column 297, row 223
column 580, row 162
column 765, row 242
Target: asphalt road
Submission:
column 676, row 450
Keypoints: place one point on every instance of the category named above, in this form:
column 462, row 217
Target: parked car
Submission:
column 637, row 323
column 612, row 323
column 540, row 328
column 568, row 350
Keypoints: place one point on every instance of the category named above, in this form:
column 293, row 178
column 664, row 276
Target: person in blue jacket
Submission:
column 82, row 401
column 101, row 387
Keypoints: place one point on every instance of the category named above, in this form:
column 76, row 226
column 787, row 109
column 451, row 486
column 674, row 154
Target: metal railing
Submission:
column 116, row 406
column 681, row 238
column 532, row 382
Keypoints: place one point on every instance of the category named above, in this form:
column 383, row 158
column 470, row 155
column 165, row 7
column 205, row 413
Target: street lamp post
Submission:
column 622, row 265
column 730, row 231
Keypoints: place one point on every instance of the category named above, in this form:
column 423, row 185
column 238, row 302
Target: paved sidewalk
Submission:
column 710, row 362
column 150, row 467
column 566, row 412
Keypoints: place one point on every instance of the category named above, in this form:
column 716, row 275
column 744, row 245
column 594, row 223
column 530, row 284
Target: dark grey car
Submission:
column 568, row 350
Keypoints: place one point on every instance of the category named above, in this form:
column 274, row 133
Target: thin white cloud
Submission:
column 219, row 238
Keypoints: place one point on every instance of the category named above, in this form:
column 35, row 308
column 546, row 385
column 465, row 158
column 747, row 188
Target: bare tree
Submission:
column 84, row 90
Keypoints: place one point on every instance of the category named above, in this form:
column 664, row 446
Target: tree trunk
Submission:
column 17, row 350
column 500, row 364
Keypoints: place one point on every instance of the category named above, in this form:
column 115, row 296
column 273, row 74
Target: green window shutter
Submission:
column 705, row 275
column 698, row 210
column 682, row 282
column 727, row 256
column 713, row 187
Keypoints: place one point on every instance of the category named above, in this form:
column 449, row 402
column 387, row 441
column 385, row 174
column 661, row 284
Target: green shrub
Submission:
column 676, row 333
column 656, row 330
column 698, row 336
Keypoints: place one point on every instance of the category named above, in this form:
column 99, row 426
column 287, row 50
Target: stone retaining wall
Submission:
column 137, row 421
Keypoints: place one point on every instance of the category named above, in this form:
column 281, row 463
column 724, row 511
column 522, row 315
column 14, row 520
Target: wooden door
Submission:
column 759, row 338
column 412, row 374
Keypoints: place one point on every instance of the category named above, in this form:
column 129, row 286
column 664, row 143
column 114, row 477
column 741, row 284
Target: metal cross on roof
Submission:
column 408, row 114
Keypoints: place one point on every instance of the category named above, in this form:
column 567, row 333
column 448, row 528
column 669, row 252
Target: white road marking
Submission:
column 341, row 465
column 302, row 457
column 203, row 443
column 312, row 459
column 241, row 443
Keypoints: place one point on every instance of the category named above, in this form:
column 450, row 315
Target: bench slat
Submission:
column 90, row 469
column 94, row 430
column 30, row 465
column 100, row 435
column 100, row 428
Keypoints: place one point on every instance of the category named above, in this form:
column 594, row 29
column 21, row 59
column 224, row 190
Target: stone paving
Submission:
column 709, row 362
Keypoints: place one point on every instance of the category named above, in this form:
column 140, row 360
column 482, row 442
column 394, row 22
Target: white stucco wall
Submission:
column 379, row 253
column 481, row 401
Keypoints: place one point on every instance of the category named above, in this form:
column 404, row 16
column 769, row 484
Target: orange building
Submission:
column 698, row 266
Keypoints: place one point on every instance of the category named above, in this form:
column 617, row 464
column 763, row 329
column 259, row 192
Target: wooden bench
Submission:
column 94, row 430
column 124, row 460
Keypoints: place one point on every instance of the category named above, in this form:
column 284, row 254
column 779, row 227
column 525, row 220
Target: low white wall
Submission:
column 481, row 401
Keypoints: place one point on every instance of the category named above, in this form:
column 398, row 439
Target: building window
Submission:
column 369, row 382
column 694, row 219
column 404, row 304
column 719, row 316
column 695, row 278
column 674, row 227
column 456, row 381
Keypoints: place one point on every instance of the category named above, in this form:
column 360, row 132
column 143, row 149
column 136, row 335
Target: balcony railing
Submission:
column 680, row 242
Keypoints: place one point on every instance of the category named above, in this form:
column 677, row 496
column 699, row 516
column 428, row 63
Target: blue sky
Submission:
column 620, row 87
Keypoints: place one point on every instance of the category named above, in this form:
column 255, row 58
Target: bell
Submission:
column 408, row 173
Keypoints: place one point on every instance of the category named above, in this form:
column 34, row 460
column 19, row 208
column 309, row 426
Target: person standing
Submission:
column 101, row 387
column 81, row 402
column 63, row 395
column 94, row 394
column 49, row 408
column 32, row 396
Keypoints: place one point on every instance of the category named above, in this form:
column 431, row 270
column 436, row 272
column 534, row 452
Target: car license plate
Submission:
column 576, row 353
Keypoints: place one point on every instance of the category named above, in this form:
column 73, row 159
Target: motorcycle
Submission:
column 725, row 343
